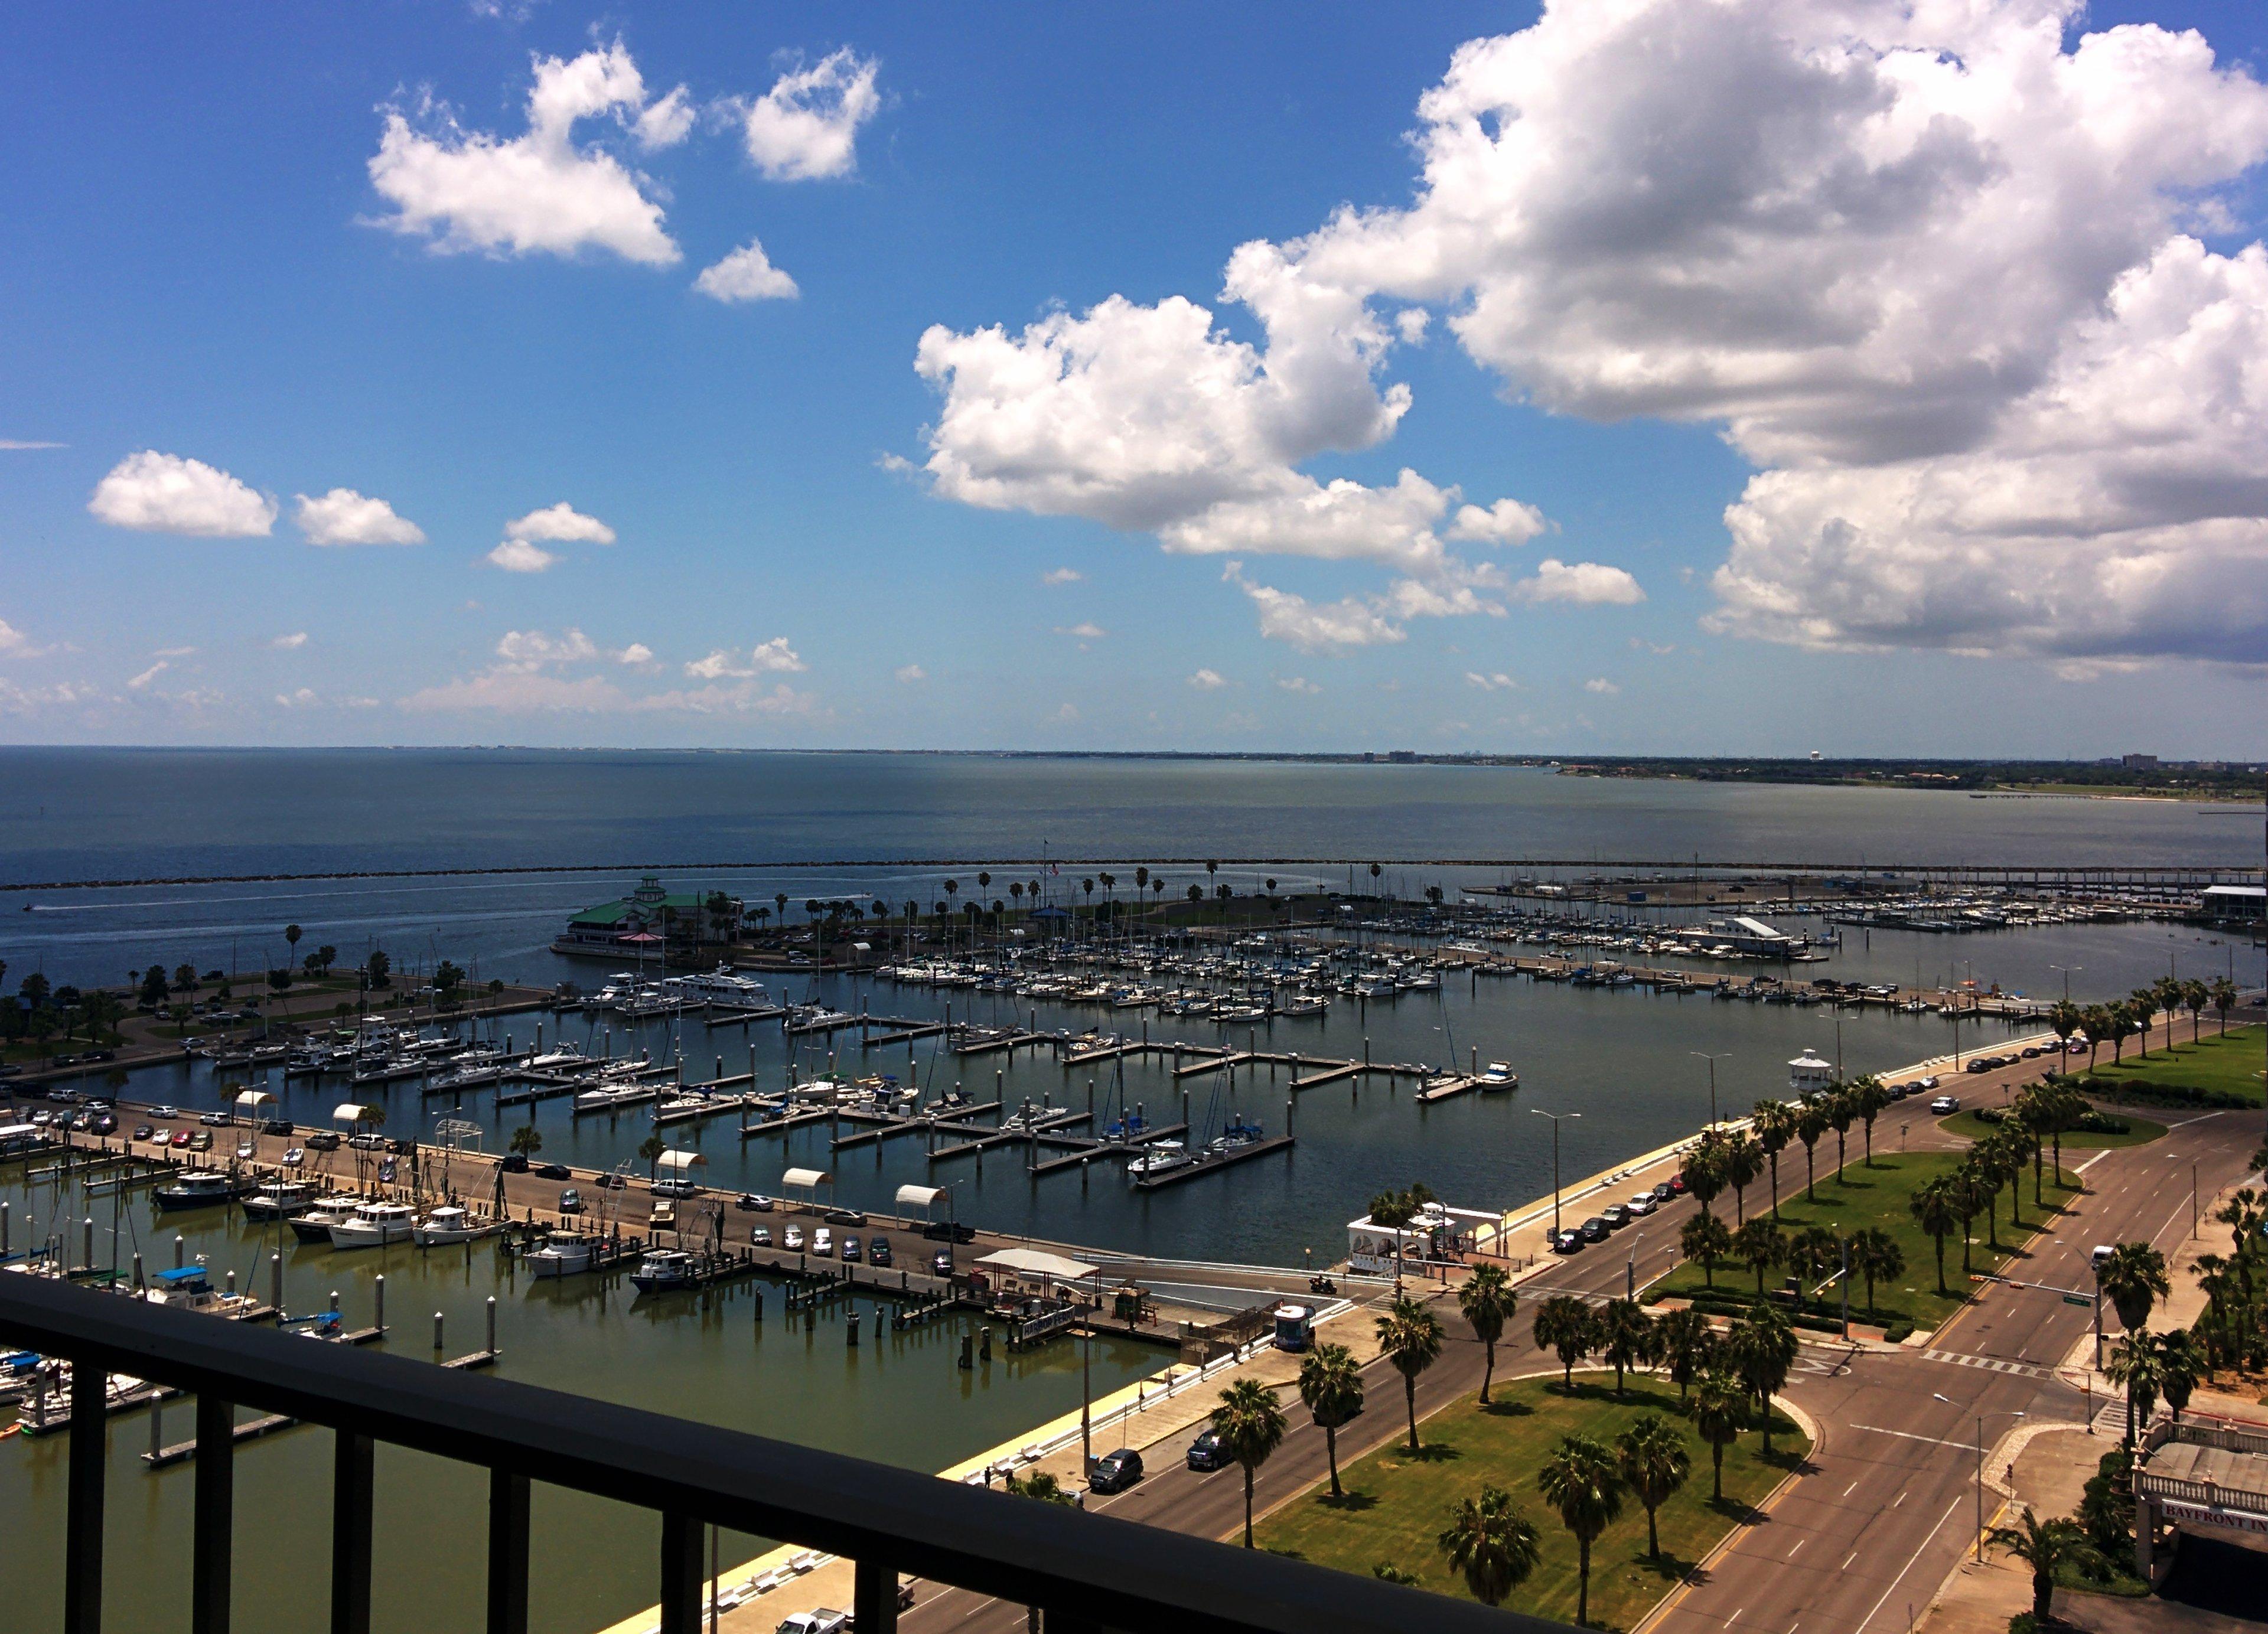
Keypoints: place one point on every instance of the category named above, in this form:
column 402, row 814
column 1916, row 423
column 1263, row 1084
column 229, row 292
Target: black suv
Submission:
column 1115, row 1472
column 1207, row 1452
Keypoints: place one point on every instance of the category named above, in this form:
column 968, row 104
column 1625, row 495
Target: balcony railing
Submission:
column 1082, row 1571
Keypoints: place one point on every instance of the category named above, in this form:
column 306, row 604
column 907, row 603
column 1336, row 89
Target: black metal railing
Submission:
column 1082, row 1571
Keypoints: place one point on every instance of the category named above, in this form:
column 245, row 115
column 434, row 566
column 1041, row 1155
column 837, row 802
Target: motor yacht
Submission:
column 280, row 1200
column 198, row 1188
column 563, row 1254
column 1498, row 1077
column 1160, row 1157
column 314, row 1224
column 447, row 1225
column 664, row 1270
column 373, row 1225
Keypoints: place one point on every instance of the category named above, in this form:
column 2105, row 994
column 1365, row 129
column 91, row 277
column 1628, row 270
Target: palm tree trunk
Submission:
column 1410, row 1394
column 1583, row 1580
column 1810, row 1174
column 1331, row 1452
column 1248, row 1506
column 1653, row 1536
column 1488, row 1369
column 1717, row 1460
column 1964, row 1247
column 1763, row 1420
column 1775, row 1169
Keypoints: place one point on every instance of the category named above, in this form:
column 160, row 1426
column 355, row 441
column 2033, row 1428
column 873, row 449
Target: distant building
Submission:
column 1809, row 1075
column 2234, row 901
column 2138, row 762
column 649, row 910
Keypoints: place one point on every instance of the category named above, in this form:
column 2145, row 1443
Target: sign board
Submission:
column 2077, row 1299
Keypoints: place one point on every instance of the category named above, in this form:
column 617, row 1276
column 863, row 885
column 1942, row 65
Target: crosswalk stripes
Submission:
column 1989, row 1362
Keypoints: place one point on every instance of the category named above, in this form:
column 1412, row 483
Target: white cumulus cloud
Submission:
column 560, row 523
column 1088, row 630
column 1582, row 584
column 745, row 275
column 537, row 192
column 806, row 127
column 169, row 493
column 292, row 643
column 343, row 517
column 1495, row 681
column 517, row 556
column 1062, row 576
column 1298, row 683
column 909, row 674
column 1207, row 681
column 1601, row 685
column 771, row 657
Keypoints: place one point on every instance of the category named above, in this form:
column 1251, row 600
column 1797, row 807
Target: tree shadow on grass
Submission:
column 1434, row 1453
column 1738, row 1511
column 1671, row 1567
column 1351, row 1502
column 1502, row 1407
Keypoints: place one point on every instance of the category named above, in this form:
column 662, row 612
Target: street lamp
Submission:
column 1981, row 1417
column 2069, row 971
column 1712, row 1061
column 1555, row 1118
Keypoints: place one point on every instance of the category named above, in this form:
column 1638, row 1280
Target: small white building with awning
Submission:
column 1036, row 1271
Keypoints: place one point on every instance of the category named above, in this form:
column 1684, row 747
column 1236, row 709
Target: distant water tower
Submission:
column 1809, row 1075
column 1815, row 754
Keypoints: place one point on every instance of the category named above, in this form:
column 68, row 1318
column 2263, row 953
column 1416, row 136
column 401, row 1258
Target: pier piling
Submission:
column 378, row 1320
column 274, row 1281
column 180, row 1251
column 137, row 1268
column 86, row 1240
column 437, row 1346
column 492, row 1344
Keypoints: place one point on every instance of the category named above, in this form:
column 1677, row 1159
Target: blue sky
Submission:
column 815, row 543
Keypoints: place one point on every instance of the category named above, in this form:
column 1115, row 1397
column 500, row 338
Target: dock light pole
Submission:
column 2068, row 972
column 1981, row 1417
column 1555, row 1118
column 1712, row 1061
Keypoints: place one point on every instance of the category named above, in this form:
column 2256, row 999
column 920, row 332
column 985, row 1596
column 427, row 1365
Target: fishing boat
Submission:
column 447, row 1225
column 280, row 1200
column 562, row 1253
column 1160, row 1157
column 665, row 1270
column 314, row 1224
column 198, row 1188
column 373, row 1225
column 189, row 1287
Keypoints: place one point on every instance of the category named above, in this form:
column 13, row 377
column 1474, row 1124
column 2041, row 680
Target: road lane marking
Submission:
column 1845, row 1567
column 2091, row 1161
column 1909, row 1566
column 1800, row 1542
column 1850, row 1488
column 1735, row 1618
column 1905, row 1435
column 1900, row 1499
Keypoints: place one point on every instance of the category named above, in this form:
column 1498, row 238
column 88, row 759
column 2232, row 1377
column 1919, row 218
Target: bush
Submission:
column 1898, row 1332
column 2107, row 1508
column 2164, row 1095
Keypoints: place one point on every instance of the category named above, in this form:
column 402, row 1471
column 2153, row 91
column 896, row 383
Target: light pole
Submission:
column 1981, row 1417
column 2069, row 971
column 1712, row 1061
column 1555, row 1118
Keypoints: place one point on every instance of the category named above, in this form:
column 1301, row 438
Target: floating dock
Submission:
column 1213, row 1162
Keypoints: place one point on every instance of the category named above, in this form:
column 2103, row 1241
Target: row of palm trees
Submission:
column 1814, row 1251
column 2116, row 1022
column 1725, row 1383
column 2033, row 1127
column 1727, row 1158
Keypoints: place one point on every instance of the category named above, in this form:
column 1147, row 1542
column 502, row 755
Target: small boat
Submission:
column 449, row 1224
column 197, row 1188
column 314, row 1223
column 664, row 1270
column 189, row 1287
column 373, row 1225
column 280, row 1200
column 1498, row 1079
column 563, row 1254
column 1160, row 1157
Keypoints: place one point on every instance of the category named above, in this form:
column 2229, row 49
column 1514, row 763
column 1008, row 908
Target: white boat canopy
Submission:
column 805, row 1180
column 347, row 1112
column 678, row 1162
column 253, row 1100
column 922, row 1197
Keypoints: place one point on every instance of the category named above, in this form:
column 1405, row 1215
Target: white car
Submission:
column 794, row 1239
column 824, row 1621
column 822, row 1241
column 1944, row 1104
column 1926, row 1083
column 1643, row 1203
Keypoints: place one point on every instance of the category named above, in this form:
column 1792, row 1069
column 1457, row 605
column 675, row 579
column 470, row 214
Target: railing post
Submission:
column 211, row 1537
column 507, row 1552
column 350, row 1527
column 874, row 1588
column 680, row 1574
column 89, row 1438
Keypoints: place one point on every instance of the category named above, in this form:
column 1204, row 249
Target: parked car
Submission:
column 846, row 1217
column 1115, row 1472
column 822, row 1240
column 878, row 1253
column 142, row 1131
column 181, row 1139
column 247, row 1150
column 514, row 1163
column 825, row 1620
column 1597, row 1230
column 794, row 1239
column 1207, row 1452
column 571, row 1201
column 754, row 1203
column 1924, row 1084
column 214, row 1120
column 1643, row 1203
column 1615, row 1216
column 1944, row 1104
column 201, row 1141
column 1567, row 1242
column 275, row 1126
column 947, row 1230
column 852, row 1253
column 1665, row 1192
column 940, row 1264
column 762, row 1237
column 164, row 1112
column 328, row 1140
column 106, row 1125
column 554, row 1171
column 610, row 1182
column 1677, row 1184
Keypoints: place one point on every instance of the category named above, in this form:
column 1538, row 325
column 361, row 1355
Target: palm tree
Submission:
column 2095, row 1021
column 1566, row 1324
column 2063, row 1019
column 1814, row 1251
column 1759, row 1246
column 2046, row 1547
column 2139, row 1367
column 1626, row 1339
column 1810, row 1125
column 2183, row 1367
column 1656, row 1462
column 1720, row 1412
column 526, row 1141
column 1707, row 1240
column 1774, row 1122
column 2118, row 1026
column 2195, row 996
column 651, row 1149
column 2224, row 1000
column 1409, row 1336
column 1705, row 1171
column 1868, row 1100
column 1964, row 1193
column 2142, row 1005
column 1488, row 1301
column 1874, row 1253
column 2132, row 1276
column 1250, row 1426
column 1330, row 1383
column 1744, row 1161
column 1761, row 1349
column 1493, row 1544
column 1582, row 1481
column 1687, row 1343
column 1842, row 1111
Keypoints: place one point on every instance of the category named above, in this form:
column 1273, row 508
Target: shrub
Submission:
column 1898, row 1332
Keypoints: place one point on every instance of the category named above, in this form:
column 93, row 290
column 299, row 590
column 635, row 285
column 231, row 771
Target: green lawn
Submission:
column 1863, row 1197
column 1396, row 1506
column 2230, row 1064
column 2140, row 1131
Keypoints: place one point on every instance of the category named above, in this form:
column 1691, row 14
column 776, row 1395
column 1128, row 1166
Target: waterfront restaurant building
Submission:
column 608, row 927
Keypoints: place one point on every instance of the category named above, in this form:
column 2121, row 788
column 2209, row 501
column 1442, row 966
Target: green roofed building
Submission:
column 649, row 910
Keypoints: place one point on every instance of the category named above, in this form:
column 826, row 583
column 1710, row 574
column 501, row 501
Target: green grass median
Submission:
column 2216, row 1066
column 1396, row 1506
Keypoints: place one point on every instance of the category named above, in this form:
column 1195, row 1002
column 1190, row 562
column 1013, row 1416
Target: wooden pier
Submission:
column 1214, row 1162
column 883, row 1127
column 1085, row 1149
column 718, row 1016
column 1005, row 1137
column 1447, row 1086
